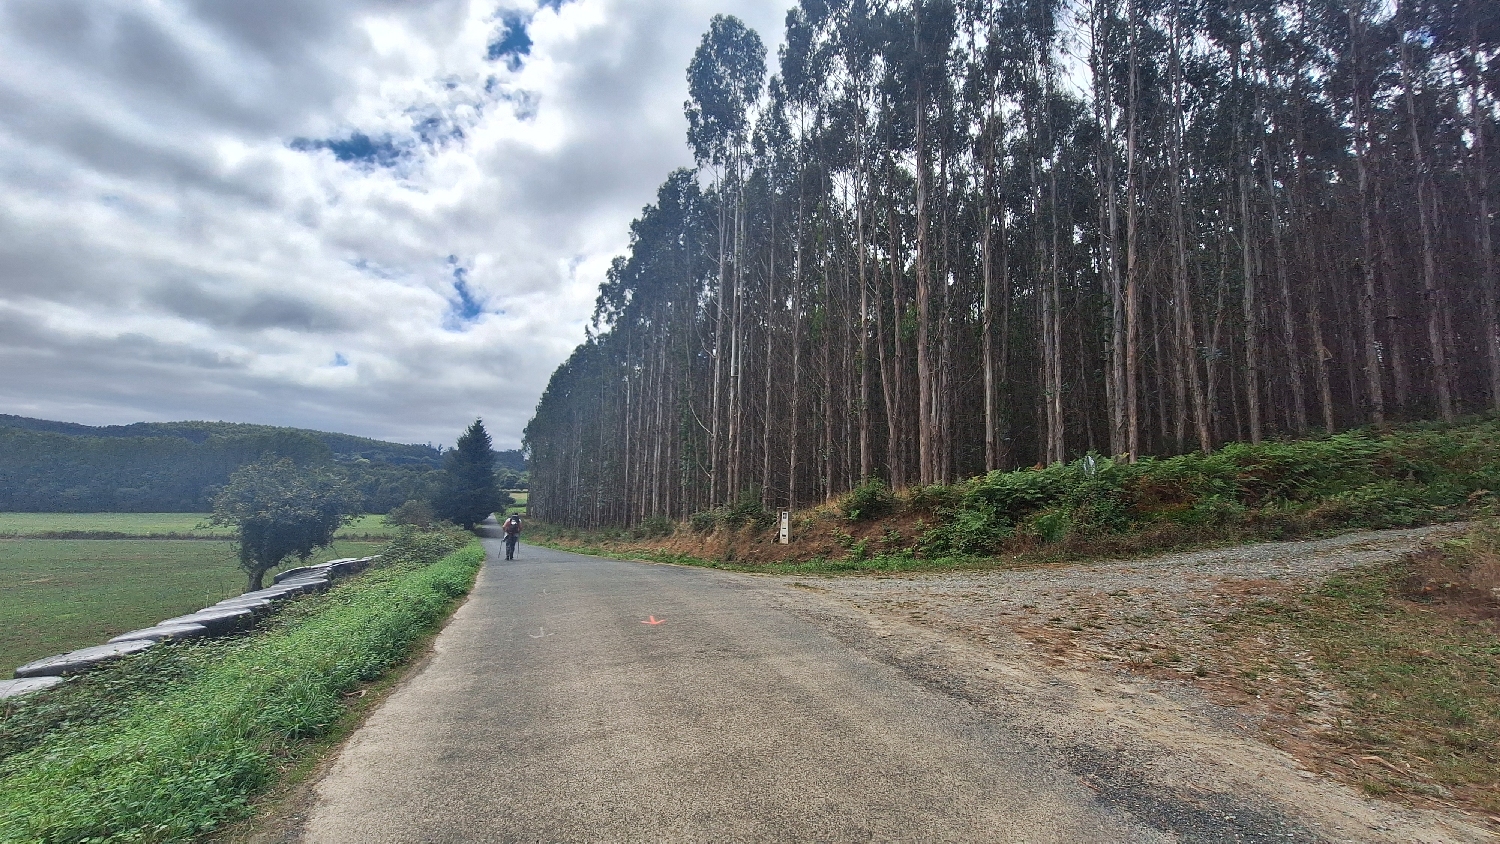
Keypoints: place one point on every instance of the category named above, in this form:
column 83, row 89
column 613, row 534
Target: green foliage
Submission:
column 1052, row 525
column 703, row 521
column 1357, row 479
column 971, row 531
column 171, row 743
column 414, row 512
column 281, row 511
column 746, row 510
column 872, row 499
column 653, row 528
column 469, row 491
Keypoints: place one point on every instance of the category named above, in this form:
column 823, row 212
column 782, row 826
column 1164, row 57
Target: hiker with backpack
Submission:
column 512, row 531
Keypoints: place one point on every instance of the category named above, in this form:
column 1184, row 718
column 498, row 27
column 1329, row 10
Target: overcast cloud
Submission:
column 381, row 217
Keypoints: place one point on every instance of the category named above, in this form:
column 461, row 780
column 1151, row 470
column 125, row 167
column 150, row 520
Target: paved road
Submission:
column 551, row 712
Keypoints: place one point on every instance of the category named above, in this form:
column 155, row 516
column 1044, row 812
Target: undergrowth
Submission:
column 171, row 743
column 1419, row 669
column 1098, row 506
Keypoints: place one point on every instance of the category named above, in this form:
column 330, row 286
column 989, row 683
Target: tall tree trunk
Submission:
column 1187, row 339
column 1374, row 388
column 987, row 307
column 1288, row 326
column 1132, row 271
column 1434, row 293
column 1480, row 170
column 926, row 452
column 1250, row 310
column 896, row 396
column 1109, row 228
column 720, row 316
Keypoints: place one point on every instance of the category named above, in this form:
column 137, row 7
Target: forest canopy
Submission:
column 941, row 238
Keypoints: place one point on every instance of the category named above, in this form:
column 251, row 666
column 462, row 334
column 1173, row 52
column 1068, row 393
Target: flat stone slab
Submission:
column 164, row 633
column 270, row 593
column 16, row 688
column 308, row 585
column 218, row 620
column 259, row 606
column 291, row 574
column 79, row 661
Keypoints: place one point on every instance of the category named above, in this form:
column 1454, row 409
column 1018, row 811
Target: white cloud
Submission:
column 166, row 253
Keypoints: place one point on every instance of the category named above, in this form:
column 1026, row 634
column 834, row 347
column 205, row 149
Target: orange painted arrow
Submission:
column 654, row 620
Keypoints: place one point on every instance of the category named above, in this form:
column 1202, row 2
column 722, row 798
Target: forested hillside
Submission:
column 944, row 238
column 344, row 445
column 48, row 466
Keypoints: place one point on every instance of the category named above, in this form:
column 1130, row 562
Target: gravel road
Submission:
column 760, row 709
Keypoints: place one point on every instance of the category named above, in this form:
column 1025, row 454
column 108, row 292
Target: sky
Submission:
column 377, row 217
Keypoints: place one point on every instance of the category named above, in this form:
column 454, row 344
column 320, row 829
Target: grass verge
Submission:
column 1412, row 650
column 61, row 594
column 174, row 742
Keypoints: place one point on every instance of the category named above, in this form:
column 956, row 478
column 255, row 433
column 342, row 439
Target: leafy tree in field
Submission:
column 415, row 512
column 469, row 491
column 282, row 511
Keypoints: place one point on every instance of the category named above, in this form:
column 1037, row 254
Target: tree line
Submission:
column 179, row 467
column 949, row 237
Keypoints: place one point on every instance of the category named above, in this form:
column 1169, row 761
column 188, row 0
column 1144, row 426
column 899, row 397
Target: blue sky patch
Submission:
column 512, row 43
column 358, row 149
column 466, row 309
column 339, row 359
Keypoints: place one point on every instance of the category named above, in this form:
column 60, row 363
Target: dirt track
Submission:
column 1084, row 655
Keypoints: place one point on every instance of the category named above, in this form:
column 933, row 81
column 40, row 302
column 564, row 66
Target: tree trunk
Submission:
column 1132, row 272
column 1434, row 293
column 1373, row 384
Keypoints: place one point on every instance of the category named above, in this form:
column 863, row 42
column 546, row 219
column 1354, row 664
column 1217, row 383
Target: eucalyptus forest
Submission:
column 943, row 238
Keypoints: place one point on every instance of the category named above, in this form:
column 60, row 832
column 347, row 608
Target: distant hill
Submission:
column 51, row 466
column 345, row 446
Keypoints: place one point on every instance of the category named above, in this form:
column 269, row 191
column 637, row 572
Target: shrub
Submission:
column 969, row 531
column 414, row 512
column 747, row 509
column 704, row 521
column 872, row 499
column 652, row 528
column 1052, row 524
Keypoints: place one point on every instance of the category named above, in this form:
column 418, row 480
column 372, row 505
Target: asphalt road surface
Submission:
column 553, row 710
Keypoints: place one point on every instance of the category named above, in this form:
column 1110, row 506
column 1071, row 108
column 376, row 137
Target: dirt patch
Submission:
column 1183, row 623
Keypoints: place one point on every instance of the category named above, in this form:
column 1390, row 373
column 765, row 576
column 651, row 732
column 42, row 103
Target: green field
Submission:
column 60, row 594
column 161, row 525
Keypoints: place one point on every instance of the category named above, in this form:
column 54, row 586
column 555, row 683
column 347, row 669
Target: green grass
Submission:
column 60, row 594
column 169, row 745
column 1421, row 680
column 151, row 525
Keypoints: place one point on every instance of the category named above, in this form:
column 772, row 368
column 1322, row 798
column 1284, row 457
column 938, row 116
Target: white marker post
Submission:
column 785, row 536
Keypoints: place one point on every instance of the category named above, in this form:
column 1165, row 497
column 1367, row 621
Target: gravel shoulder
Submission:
column 1102, row 661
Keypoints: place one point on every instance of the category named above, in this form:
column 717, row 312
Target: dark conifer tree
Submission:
column 469, row 491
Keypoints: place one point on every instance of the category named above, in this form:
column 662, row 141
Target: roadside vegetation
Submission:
column 57, row 595
column 1096, row 506
column 172, row 743
column 1411, row 651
